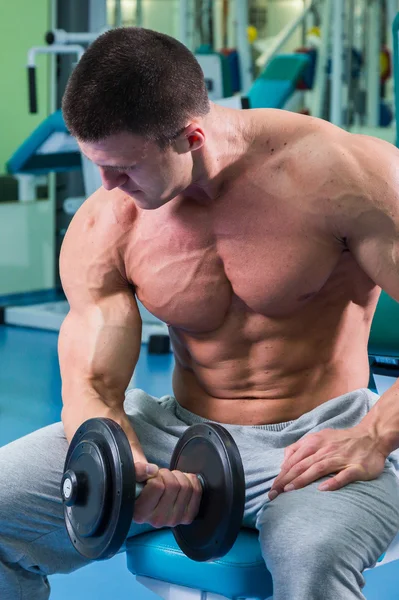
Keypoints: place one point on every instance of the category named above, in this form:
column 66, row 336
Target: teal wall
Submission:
column 23, row 24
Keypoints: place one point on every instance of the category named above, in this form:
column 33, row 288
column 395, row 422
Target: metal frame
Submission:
column 239, row 28
column 243, row 48
column 169, row 591
column 337, row 74
column 320, row 82
column 284, row 35
column 373, row 63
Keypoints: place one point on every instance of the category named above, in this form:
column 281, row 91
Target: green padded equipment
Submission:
column 384, row 335
column 288, row 67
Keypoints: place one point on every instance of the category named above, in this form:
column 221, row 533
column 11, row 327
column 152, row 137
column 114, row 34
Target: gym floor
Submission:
column 30, row 398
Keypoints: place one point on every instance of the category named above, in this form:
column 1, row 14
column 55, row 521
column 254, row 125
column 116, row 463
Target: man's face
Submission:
column 139, row 168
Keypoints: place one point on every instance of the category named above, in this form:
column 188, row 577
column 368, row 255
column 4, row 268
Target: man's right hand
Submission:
column 169, row 498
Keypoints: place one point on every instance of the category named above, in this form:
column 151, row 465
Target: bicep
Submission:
column 101, row 336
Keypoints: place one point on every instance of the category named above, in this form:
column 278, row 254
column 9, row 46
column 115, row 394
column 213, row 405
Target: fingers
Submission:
column 313, row 472
column 169, row 499
column 145, row 471
column 344, row 454
column 341, row 479
column 195, row 501
column 313, row 469
column 163, row 512
column 149, row 498
column 289, row 451
column 301, row 451
column 298, row 462
column 187, row 503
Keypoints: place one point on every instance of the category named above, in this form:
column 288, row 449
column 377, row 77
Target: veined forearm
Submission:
column 383, row 420
column 86, row 403
column 99, row 344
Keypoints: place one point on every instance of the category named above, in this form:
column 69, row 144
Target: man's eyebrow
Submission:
column 116, row 167
column 110, row 167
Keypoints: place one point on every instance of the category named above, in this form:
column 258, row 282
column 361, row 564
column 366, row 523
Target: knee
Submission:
column 303, row 545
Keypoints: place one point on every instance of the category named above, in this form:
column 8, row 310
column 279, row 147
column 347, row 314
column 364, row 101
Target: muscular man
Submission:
column 262, row 238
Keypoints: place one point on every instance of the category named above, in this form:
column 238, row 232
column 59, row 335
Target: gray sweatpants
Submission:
column 316, row 544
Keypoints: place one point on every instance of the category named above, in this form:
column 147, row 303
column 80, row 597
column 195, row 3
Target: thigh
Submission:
column 31, row 512
column 354, row 525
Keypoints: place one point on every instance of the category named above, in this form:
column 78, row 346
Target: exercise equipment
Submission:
column 232, row 75
column 386, row 115
column 278, row 81
column 385, row 64
column 307, row 79
column 158, row 344
column 221, row 71
column 99, row 489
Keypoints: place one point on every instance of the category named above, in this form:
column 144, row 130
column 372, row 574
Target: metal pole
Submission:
column 392, row 9
column 349, row 81
column 217, row 25
column 244, row 51
column 284, row 34
column 55, row 49
column 118, row 13
column 139, row 13
column 373, row 63
column 97, row 15
column 52, row 61
column 320, row 82
column 184, row 16
column 60, row 36
column 337, row 63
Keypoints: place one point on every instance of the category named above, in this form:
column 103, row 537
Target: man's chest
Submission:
column 187, row 270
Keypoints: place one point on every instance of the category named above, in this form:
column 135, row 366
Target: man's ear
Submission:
column 191, row 139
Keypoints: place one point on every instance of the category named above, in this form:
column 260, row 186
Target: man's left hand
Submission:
column 350, row 454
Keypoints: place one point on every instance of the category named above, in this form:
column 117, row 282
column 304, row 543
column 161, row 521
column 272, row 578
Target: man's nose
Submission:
column 112, row 180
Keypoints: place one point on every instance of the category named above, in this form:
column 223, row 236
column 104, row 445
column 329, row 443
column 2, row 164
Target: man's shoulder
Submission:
column 97, row 234
column 302, row 140
column 104, row 215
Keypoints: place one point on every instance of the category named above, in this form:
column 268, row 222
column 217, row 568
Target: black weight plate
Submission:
column 101, row 457
column 209, row 450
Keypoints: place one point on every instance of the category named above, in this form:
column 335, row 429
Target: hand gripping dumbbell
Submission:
column 99, row 489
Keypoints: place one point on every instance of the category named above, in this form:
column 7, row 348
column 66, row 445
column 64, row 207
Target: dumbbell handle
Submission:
column 70, row 485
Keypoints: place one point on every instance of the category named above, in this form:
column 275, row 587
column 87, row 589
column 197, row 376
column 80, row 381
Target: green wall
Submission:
column 23, row 24
column 26, row 229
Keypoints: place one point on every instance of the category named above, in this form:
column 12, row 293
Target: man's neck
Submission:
column 228, row 136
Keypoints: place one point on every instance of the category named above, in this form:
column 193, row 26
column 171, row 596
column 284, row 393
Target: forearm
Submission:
column 98, row 349
column 83, row 402
column 383, row 420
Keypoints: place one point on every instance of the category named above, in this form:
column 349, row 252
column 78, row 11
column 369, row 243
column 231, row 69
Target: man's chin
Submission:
column 146, row 203
column 133, row 194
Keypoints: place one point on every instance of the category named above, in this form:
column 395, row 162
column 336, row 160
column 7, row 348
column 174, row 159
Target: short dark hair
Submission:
column 136, row 80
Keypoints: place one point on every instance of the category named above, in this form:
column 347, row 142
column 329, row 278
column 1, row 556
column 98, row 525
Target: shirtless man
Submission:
column 262, row 238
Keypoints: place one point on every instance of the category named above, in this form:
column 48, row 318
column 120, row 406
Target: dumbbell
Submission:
column 99, row 489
